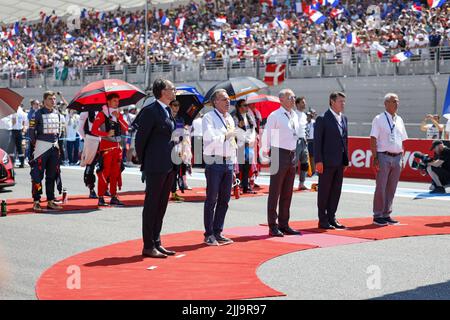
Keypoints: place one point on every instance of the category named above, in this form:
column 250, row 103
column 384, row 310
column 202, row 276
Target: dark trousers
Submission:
column 329, row 192
column 73, row 149
column 219, row 179
column 89, row 173
column 15, row 146
column 157, row 192
column 245, row 169
column 280, row 189
column 46, row 164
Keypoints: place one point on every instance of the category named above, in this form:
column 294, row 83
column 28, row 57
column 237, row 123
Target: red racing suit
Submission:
column 110, row 151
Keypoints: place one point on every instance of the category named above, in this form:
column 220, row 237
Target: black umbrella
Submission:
column 190, row 105
column 237, row 87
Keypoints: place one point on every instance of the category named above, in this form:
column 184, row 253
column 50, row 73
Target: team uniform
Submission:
column 45, row 130
column 110, row 151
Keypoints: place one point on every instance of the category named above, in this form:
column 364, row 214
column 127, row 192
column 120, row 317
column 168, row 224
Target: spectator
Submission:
column 433, row 130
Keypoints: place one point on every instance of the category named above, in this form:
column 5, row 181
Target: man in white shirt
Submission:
column 302, row 145
column 386, row 142
column 280, row 137
column 197, row 141
column 219, row 150
column 17, row 125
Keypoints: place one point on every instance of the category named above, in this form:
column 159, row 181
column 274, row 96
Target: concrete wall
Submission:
column 419, row 95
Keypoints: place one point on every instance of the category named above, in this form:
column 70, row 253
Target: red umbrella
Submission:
column 9, row 102
column 264, row 103
column 93, row 96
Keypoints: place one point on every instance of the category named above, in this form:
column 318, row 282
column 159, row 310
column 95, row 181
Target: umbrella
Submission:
column 237, row 87
column 264, row 103
column 9, row 102
column 190, row 103
column 93, row 96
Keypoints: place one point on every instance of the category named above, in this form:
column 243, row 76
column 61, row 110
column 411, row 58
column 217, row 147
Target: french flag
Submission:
column 29, row 32
column 416, row 8
column 435, row 3
column 68, row 36
column 352, row 38
column 280, row 24
column 336, row 13
column 15, row 30
column 317, row 17
column 179, row 23
column 165, row 21
column 244, row 33
column 271, row 3
column 380, row 49
column 332, row 3
column 215, row 35
column 11, row 44
column 401, row 56
column 315, row 5
column 119, row 21
column 101, row 16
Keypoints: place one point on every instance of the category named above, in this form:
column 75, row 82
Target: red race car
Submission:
column 6, row 170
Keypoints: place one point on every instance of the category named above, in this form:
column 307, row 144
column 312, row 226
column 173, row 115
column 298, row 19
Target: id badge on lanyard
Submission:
column 391, row 128
column 292, row 126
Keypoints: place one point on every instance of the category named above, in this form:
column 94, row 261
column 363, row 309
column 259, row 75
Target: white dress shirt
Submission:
column 17, row 119
column 282, row 130
column 197, row 127
column 214, row 131
column 338, row 117
column 381, row 130
column 303, row 121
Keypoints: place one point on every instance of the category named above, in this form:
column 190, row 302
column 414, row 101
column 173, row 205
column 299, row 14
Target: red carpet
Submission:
column 227, row 272
column 119, row 272
column 363, row 227
column 81, row 203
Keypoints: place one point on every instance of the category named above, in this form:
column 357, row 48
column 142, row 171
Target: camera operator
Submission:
column 439, row 168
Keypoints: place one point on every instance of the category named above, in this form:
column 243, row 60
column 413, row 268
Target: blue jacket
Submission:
column 330, row 147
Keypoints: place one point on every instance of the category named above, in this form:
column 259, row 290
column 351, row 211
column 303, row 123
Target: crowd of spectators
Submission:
column 250, row 33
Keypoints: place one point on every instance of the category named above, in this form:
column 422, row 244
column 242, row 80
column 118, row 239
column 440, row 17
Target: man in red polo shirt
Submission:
column 109, row 125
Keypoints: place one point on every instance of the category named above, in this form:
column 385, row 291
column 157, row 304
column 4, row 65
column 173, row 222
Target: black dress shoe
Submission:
column 326, row 226
column 165, row 251
column 275, row 232
column 153, row 253
column 337, row 225
column 249, row 191
column 290, row 231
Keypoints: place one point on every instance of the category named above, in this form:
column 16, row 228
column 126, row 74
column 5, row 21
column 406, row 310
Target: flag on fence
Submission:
column 401, row 56
column 274, row 74
column 380, row 49
column 352, row 38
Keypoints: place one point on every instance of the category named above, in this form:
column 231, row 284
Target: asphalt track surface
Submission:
column 408, row 268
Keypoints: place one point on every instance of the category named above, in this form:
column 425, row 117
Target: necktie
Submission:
column 172, row 120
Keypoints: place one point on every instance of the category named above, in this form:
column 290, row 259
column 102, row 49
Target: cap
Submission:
column 436, row 143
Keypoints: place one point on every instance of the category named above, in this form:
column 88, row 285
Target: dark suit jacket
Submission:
column 330, row 147
column 153, row 139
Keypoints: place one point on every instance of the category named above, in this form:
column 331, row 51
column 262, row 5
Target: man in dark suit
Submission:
column 331, row 156
column 154, row 145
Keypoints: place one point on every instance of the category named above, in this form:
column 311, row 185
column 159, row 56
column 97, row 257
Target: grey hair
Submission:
column 283, row 92
column 390, row 95
column 215, row 93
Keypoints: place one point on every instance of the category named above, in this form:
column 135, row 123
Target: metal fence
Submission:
column 426, row 61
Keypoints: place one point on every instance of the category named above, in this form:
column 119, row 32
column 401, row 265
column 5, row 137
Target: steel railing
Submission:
column 425, row 61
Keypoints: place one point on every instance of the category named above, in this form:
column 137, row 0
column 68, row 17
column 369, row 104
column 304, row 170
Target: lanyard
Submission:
column 221, row 120
column 291, row 121
column 389, row 123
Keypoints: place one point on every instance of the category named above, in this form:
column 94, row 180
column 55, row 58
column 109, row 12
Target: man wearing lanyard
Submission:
column 331, row 156
column 219, row 150
column 386, row 142
column 280, row 139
